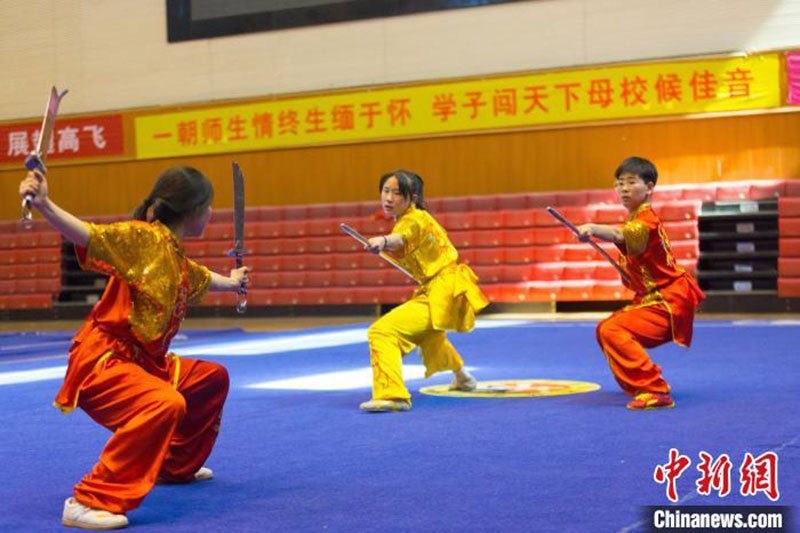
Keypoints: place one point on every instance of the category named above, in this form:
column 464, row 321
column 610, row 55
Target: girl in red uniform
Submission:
column 164, row 412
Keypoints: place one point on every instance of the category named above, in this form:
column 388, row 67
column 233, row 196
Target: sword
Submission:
column 238, row 232
column 558, row 216
column 360, row 238
column 35, row 161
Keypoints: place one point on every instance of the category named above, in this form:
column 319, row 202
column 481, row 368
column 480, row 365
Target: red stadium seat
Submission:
column 320, row 211
column 789, row 227
column 514, row 201
column 8, row 286
column 540, row 200
column 261, row 230
column 489, row 219
column 295, row 263
column 576, row 198
column 466, row 256
column 678, row 211
column 579, row 252
column 351, row 261
column 461, row 239
column 265, row 213
column 789, row 207
column 218, row 232
column 578, row 215
column 374, row 277
column 685, row 249
column 319, row 245
column 346, row 278
column 602, row 197
column 489, row 256
column 295, row 212
column 488, row 238
column 541, row 218
column 703, row 192
column 667, row 193
column 266, row 263
column 792, row 188
column 319, row 278
column 550, row 253
column 346, row 210
column 789, row 267
column 519, row 237
column 323, row 227
column 611, row 214
column 520, row 218
column 320, row 262
column 345, row 243
column 727, row 191
column 681, row 231
column 489, row 274
column 454, row 204
column 583, row 270
column 293, row 246
column 548, row 271
column 518, row 273
column 292, row 228
column 786, row 247
column 456, row 221
column 291, row 279
column 767, row 189
column 520, row 255
column 264, row 280
column 550, row 236
column 264, row 246
column 482, row 203
column 789, row 287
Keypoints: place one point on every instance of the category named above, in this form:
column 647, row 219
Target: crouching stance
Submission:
column 164, row 412
column 446, row 300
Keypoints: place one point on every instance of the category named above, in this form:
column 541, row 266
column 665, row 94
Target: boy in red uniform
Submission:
column 665, row 294
column 164, row 412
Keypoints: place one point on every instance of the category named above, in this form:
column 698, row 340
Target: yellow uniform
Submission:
column 447, row 300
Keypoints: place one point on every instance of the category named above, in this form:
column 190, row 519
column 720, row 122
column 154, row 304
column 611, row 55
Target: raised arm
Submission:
column 70, row 226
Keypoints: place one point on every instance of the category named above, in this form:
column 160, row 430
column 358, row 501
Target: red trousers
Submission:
column 159, row 430
column 623, row 338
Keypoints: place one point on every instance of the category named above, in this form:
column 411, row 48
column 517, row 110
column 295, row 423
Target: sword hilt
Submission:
column 241, row 295
column 32, row 162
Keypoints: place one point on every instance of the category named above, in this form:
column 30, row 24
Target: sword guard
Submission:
column 34, row 162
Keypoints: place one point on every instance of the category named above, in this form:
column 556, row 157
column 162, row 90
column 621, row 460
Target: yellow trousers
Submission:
column 396, row 334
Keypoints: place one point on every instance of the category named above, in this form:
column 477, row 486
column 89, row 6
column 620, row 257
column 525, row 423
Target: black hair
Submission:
column 178, row 192
column 638, row 166
column 410, row 184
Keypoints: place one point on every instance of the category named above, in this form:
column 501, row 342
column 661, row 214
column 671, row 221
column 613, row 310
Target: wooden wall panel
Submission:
column 765, row 146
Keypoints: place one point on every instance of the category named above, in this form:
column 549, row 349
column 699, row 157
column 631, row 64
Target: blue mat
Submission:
column 308, row 460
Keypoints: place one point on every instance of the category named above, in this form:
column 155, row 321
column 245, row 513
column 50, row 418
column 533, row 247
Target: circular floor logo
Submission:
column 515, row 388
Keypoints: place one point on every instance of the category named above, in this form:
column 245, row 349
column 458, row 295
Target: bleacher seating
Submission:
column 789, row 246
column 30, row 265
column 300, row 257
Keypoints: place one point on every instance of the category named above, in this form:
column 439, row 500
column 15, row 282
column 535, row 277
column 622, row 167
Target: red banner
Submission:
column 73, row 138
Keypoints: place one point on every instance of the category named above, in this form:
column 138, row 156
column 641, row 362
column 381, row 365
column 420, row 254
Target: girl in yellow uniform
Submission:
column 446, row 300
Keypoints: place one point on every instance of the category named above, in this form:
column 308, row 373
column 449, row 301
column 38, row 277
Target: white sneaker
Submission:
column 78, row 515
column 385, row 406
column 203, row 474
column 466, row 383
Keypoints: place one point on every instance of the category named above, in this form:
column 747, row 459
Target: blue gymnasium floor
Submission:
column 301, row 459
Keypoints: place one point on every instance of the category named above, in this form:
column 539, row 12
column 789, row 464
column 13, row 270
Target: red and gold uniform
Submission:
column 447, row 300
column 164, row 411
column 662, row 309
